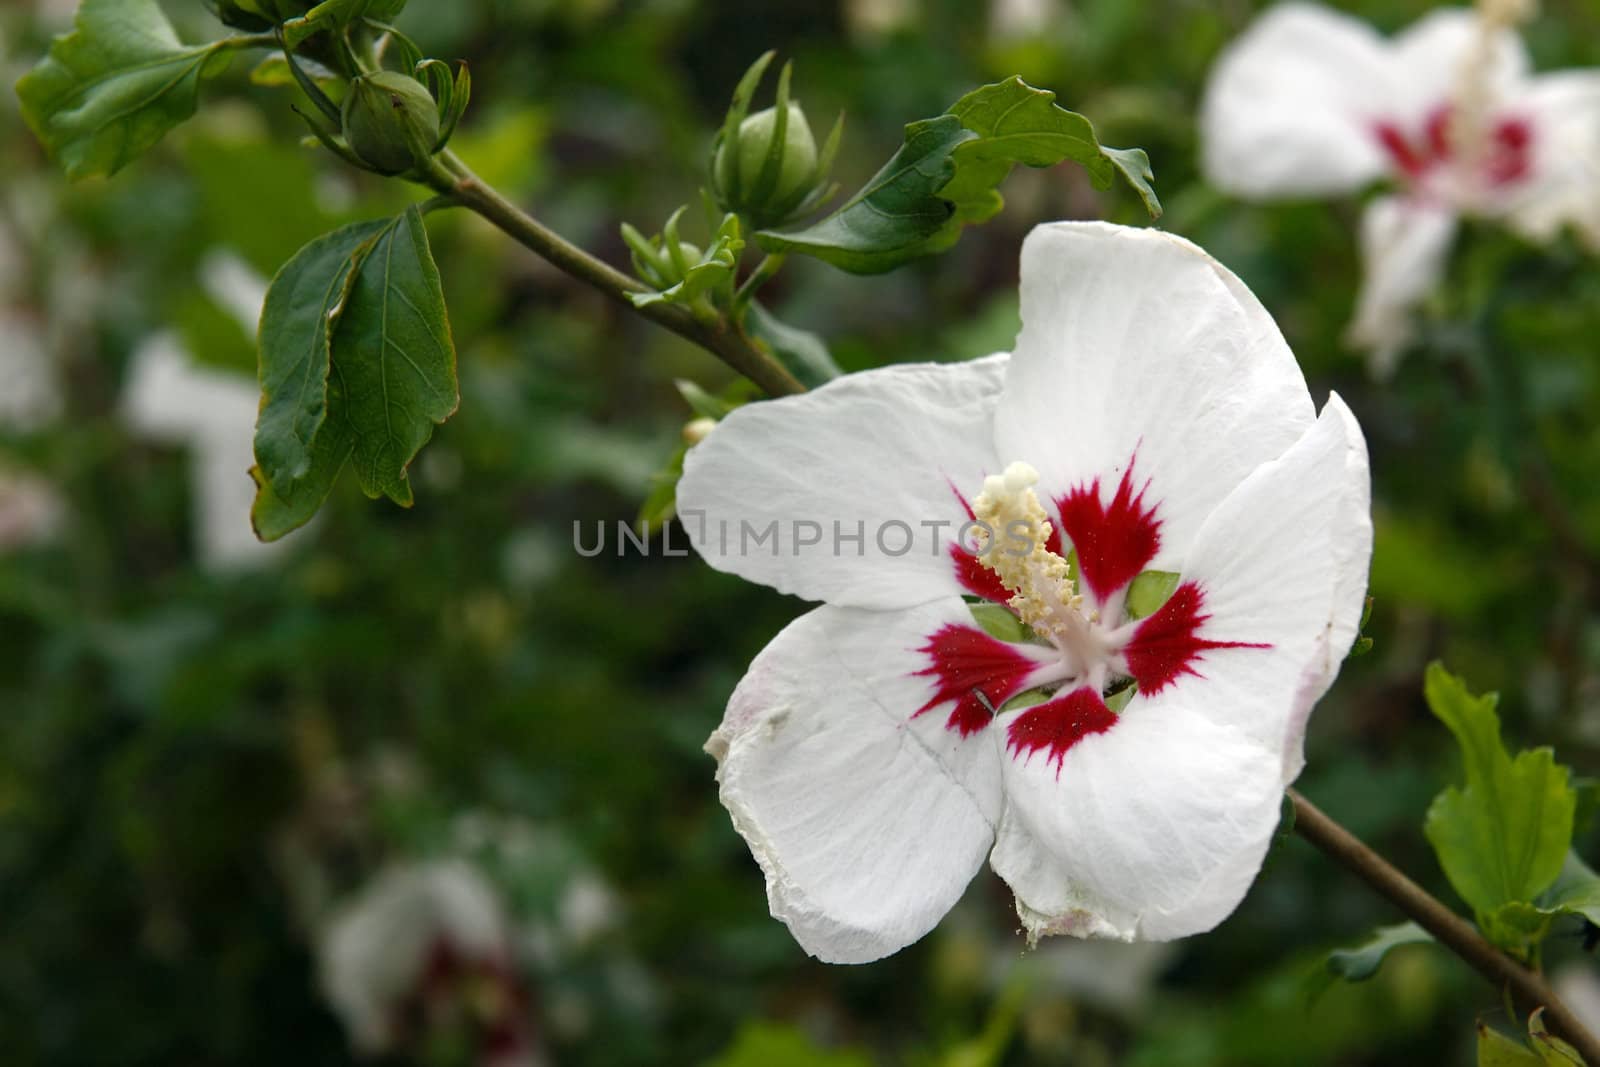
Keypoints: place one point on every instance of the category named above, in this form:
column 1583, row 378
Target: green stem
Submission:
column 447, row 175
column 769, row 266
column 1525, row 987
column 249, row 40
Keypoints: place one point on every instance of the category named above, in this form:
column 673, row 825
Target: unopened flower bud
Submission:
column 663, row 270
column 796, row 171
column 696, row 430
column 767, row 166
column 389, row 119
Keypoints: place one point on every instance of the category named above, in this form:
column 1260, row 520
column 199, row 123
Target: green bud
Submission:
column 766, row 166
column 387, row 118
column 745, row 183
column 663, row 270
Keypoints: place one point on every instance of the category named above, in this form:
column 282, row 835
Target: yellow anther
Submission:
column 1039, row 580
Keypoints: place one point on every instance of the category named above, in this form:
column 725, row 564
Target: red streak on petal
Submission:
column 969, row 667
column 974, row 577
column 1510, row 151
column 1167, row 645
column 1058, row 724
column 977, row 579
column 1437, row 133
column 1114, row 541
column 966, row 505
column 1401, row 152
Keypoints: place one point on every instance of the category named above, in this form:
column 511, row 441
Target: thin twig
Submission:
column 1527, row 987
column 449, row 176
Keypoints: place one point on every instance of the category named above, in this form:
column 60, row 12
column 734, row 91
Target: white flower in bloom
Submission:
column 424, row 946
column 1123, row 761
column 1309, row 102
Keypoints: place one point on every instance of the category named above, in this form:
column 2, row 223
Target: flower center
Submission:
column 1043, row 589
column 1459, row 158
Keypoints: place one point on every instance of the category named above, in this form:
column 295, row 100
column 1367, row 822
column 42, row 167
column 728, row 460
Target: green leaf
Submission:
column 946, row 174
column 272, row 515
column 356, row 361
column 1360, row 962
column 802, row 353
column 894, row 215
column 1576, row 891
column 661, row 502
column 701, row 402
column 303, row 306
column 1553, row 1051
column 1574, row 894
column 113, row 87
column 1017, row 123
column 1362, row 644
column 394, row 363
column 1497, row 1050
column 1501, row 838
column 1149, row 591
column 274, row 73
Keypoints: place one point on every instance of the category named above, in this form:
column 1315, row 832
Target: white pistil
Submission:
column 1471, row 115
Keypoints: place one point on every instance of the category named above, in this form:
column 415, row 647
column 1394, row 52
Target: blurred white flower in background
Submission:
column 30, row 395
column 1012, row 20
column 424, row 951
column 1310, row 102
column 171, row 396
column 868, row 20
column 31, row 510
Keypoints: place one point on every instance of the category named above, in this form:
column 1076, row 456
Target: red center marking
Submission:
column 974, row 577
column 1167, row 645
column 1510, row 151
column 1508, row 155
column 1058, row 724
column 968, row 667
column 1114, row 541
column 498, row 1004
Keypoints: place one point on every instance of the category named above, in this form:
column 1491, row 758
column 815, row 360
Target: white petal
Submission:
column 1151, row 830
column 30, row 390
column 1136, row 341
column 1289, row 107
column 867, row 823
column 1564, row 188
column 212, row 412
column 1433, row 54
column 1404, row 242
column 878, row 454
column 1283, row 561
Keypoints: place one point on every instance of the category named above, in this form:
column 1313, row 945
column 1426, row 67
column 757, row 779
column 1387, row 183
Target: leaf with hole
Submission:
column 946, row 176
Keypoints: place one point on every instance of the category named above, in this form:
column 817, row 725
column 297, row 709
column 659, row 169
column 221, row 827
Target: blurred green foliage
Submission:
column 188, row 757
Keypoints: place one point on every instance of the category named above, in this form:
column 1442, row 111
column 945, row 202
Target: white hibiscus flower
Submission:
column 1122, row 758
